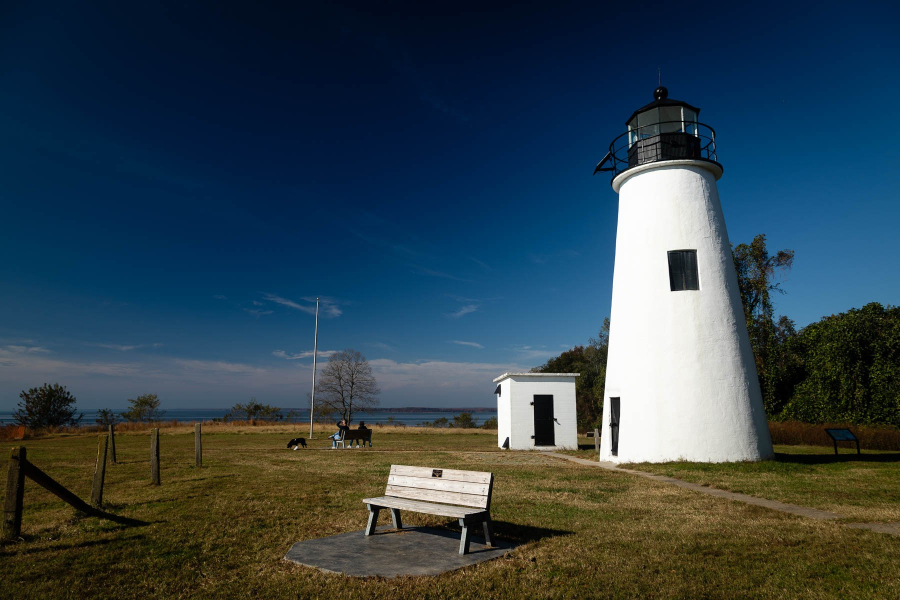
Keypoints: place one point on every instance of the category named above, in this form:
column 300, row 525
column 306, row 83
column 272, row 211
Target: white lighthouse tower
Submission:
column 681, row 381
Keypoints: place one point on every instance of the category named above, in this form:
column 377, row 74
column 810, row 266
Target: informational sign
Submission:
column 842, row 435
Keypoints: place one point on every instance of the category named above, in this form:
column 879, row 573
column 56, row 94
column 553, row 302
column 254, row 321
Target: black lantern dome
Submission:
column 665, row 129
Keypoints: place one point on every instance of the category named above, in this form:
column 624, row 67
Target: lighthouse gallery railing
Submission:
column 652, row 143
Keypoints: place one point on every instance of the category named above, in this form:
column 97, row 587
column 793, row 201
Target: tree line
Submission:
column 844, row 368
column 346, row 386
column 52, row 405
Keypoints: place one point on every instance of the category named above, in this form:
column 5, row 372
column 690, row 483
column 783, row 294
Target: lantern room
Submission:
column 665, row 129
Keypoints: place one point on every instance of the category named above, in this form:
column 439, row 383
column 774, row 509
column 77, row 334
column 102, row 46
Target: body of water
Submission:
column 410, row 419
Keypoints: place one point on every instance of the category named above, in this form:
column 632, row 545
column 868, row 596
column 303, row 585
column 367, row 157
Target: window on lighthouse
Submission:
column 670, row 119
column 690, row 122
column 683, row 273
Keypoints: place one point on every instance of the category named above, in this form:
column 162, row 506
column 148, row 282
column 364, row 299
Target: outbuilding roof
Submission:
column 508, row 375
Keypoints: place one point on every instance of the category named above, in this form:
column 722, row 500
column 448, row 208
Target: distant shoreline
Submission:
column 380, row 409
column 408, row 415
column 418, row 409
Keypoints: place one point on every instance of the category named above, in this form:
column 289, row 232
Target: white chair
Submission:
column 339, row 440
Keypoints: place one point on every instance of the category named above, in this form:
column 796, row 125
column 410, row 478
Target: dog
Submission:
column 296, row 443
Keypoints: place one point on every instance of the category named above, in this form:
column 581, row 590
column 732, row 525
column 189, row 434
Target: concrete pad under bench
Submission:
column 392, row 553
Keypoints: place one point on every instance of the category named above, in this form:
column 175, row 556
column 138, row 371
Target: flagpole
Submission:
column 312, row 404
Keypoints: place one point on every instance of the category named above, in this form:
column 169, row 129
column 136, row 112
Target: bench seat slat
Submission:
column 446, row 474
column 430, row 508
column 438, row 496
column 439, row 483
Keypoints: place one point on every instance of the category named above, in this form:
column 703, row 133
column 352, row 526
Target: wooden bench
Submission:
column 463, row 495
column 361, row 435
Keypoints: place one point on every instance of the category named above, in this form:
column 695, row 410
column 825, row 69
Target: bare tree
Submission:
column 347, row 384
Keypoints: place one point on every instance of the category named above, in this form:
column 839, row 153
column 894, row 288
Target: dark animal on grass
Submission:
column 296, row 442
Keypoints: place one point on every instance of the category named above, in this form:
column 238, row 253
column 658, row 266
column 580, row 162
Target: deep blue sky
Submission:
column 177, row 183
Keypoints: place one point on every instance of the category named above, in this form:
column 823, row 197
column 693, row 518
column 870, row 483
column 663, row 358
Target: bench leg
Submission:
column 373, row 519
column 395, row 515
column 464, row 540
column 488, row 534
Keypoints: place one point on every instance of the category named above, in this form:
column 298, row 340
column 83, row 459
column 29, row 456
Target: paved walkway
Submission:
column 803, row 511
column 392, row 553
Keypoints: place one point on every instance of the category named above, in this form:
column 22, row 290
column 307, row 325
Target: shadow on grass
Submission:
column 108, row 516
column 824, row 459
column 58, row 547
column 514, row 532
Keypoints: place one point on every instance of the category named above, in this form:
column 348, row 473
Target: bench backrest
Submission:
column 358, row 434
column 446, row 486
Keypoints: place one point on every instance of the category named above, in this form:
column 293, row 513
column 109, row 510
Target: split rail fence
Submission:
column 20, row 468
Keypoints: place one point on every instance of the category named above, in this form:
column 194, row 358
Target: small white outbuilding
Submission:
column 536, row 411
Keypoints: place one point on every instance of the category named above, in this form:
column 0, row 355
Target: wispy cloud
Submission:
column 463, row 310
column 472, row 344
column 256, row 312
column 300, row 355
column 430, row 374
column 289, row 303
column 220, row 297
column 17, row 349
column 381, row 345
column 218, row 366
column 542, row 259
column 119, row 347
column 220, row 382
column 432, row 273
column 534, row 353
column 30, row 364
column 328, row 306
column 481, row 264
column 113, row 380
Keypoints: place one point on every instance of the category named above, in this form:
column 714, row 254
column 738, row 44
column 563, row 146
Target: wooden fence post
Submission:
column 15, row 494
column 154, row 456
column 99, row 472
column 198, row 447
column 597, row 440
column 112, row 443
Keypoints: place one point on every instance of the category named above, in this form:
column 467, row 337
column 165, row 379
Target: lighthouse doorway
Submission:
column 543, row 421
column 614, row 409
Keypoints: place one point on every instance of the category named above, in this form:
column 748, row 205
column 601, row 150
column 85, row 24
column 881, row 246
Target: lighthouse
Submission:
column 681, row 381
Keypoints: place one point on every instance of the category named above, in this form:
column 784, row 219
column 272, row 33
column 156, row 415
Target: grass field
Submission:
column 221, row 531
column 863, row 488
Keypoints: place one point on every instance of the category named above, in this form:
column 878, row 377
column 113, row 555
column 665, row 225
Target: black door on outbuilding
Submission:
column 544, row 434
